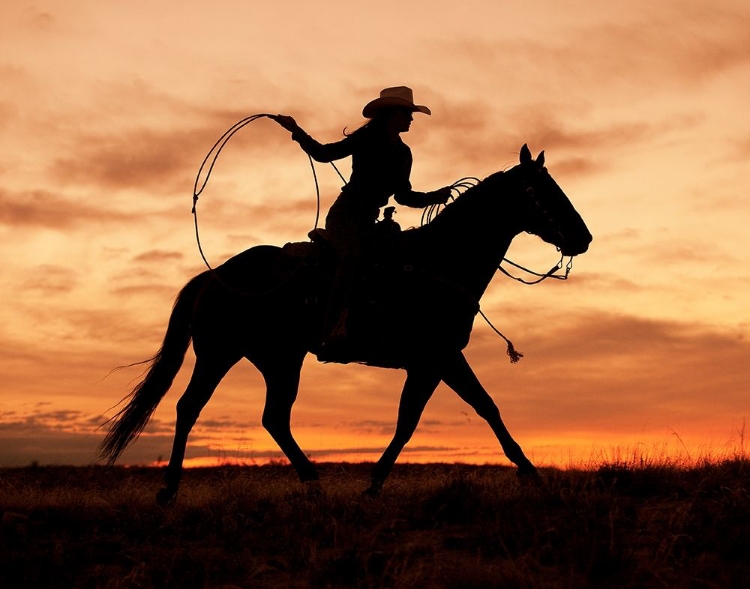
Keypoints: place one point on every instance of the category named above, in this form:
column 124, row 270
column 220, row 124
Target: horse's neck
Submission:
column 466, row 242
column 473, row 260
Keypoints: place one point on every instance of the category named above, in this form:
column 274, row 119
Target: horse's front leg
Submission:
column 459, row 376
column 420, row 383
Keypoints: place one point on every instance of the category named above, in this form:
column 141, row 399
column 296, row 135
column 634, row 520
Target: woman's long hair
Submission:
column 377, row 124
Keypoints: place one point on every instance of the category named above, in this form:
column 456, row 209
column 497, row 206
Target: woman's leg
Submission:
column 346, row 239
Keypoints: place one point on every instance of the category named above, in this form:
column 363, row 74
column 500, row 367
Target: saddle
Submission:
column 392, row 308
column 378, row 245
column 381, row 239
column 311, row 251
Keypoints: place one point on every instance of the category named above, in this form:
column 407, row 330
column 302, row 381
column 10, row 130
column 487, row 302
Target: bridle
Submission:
column 464, row 184
column 461, row 186
column 553, row 224
column 552, row 273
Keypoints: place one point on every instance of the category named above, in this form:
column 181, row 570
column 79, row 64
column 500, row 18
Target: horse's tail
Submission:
column 130, row 421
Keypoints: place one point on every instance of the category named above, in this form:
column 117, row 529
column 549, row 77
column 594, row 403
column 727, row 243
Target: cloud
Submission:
column 141, row 159
column 485, row 137
column 582, row 371
column 26, row 443
column 50, row 280
column 741, row 150
column 583, row 374
column 158, row 256
column 145, row 290
column 660, row 48
column 41, row 208
column 119, row 142
column 591, row 282
column 33, row 441
column 49, row 436
column 74, row 346
column 163, row 152
column 550, row 132
column 555, row 88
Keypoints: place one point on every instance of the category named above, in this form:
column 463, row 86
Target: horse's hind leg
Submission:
column 208, row 372
column 459, row 376
column 282, row 375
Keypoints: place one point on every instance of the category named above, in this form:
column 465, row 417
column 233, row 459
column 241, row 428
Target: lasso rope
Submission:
column 216, row 150
column 457, row 188
column 429, row 213
column 213, row 155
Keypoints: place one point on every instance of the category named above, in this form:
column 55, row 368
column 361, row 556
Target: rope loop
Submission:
column 457, row 188
column 199, row 187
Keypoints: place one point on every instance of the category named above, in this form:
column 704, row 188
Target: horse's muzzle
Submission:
column 576, row 249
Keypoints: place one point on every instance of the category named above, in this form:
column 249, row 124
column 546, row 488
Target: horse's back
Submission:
column 257, row 260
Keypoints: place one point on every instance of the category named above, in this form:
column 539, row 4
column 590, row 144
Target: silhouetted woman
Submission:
column 381, row 166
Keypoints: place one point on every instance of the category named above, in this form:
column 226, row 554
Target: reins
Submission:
column 432, row 211
column 552, row 273
column 458, row 187
column 428, row 214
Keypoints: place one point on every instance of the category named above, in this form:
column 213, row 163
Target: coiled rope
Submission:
column 458, row 188
column 429, row 213
column 199, row 187
column 432, row 211
column 213, row 155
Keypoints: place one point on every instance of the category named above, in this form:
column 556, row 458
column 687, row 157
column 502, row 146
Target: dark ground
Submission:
column 436, row 526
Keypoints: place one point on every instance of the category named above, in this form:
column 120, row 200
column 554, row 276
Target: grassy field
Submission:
column 436, row 526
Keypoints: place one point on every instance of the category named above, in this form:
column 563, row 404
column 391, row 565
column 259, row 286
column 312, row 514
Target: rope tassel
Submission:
column 515, row 355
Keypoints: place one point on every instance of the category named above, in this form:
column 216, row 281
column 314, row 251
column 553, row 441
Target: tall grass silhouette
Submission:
column 633, row 521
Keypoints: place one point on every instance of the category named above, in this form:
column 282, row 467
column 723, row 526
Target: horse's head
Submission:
column 550, row 215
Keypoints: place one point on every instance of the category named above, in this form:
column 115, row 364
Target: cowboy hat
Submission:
column 399, row 96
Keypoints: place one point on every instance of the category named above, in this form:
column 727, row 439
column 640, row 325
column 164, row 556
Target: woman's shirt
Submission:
column 380, row 169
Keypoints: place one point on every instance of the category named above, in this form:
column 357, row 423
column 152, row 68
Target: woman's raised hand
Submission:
column 287, row 122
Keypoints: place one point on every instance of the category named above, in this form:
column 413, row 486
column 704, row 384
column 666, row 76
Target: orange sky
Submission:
column 107, row 110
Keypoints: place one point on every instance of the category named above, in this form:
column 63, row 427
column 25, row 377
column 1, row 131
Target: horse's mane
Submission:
column 463, row 205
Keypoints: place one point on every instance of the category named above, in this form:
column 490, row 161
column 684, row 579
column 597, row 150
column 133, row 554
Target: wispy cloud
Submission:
column 141, row 159
column 603, row 368
column 660, row 48
column 50, row 279
column 41, row 208
column 158, row 256
column 635, row 105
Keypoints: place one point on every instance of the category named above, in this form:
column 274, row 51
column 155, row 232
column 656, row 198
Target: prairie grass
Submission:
column 626, row 522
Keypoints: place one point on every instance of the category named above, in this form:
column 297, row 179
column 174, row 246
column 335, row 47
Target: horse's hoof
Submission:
column 373, row 491
column 166, row 497
column 313, row 489
column 529, row 475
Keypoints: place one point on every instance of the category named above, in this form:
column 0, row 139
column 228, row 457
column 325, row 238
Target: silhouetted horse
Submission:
column 266, row 305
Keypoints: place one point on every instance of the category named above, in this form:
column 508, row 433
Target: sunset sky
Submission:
column 108, row 108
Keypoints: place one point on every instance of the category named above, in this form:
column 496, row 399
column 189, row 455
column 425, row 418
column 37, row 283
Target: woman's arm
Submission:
column 404, row 195
column 320, row 152
column 410, row 198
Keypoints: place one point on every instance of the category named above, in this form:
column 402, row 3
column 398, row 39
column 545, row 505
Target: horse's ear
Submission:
column 540, row 158
column 525, row 154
